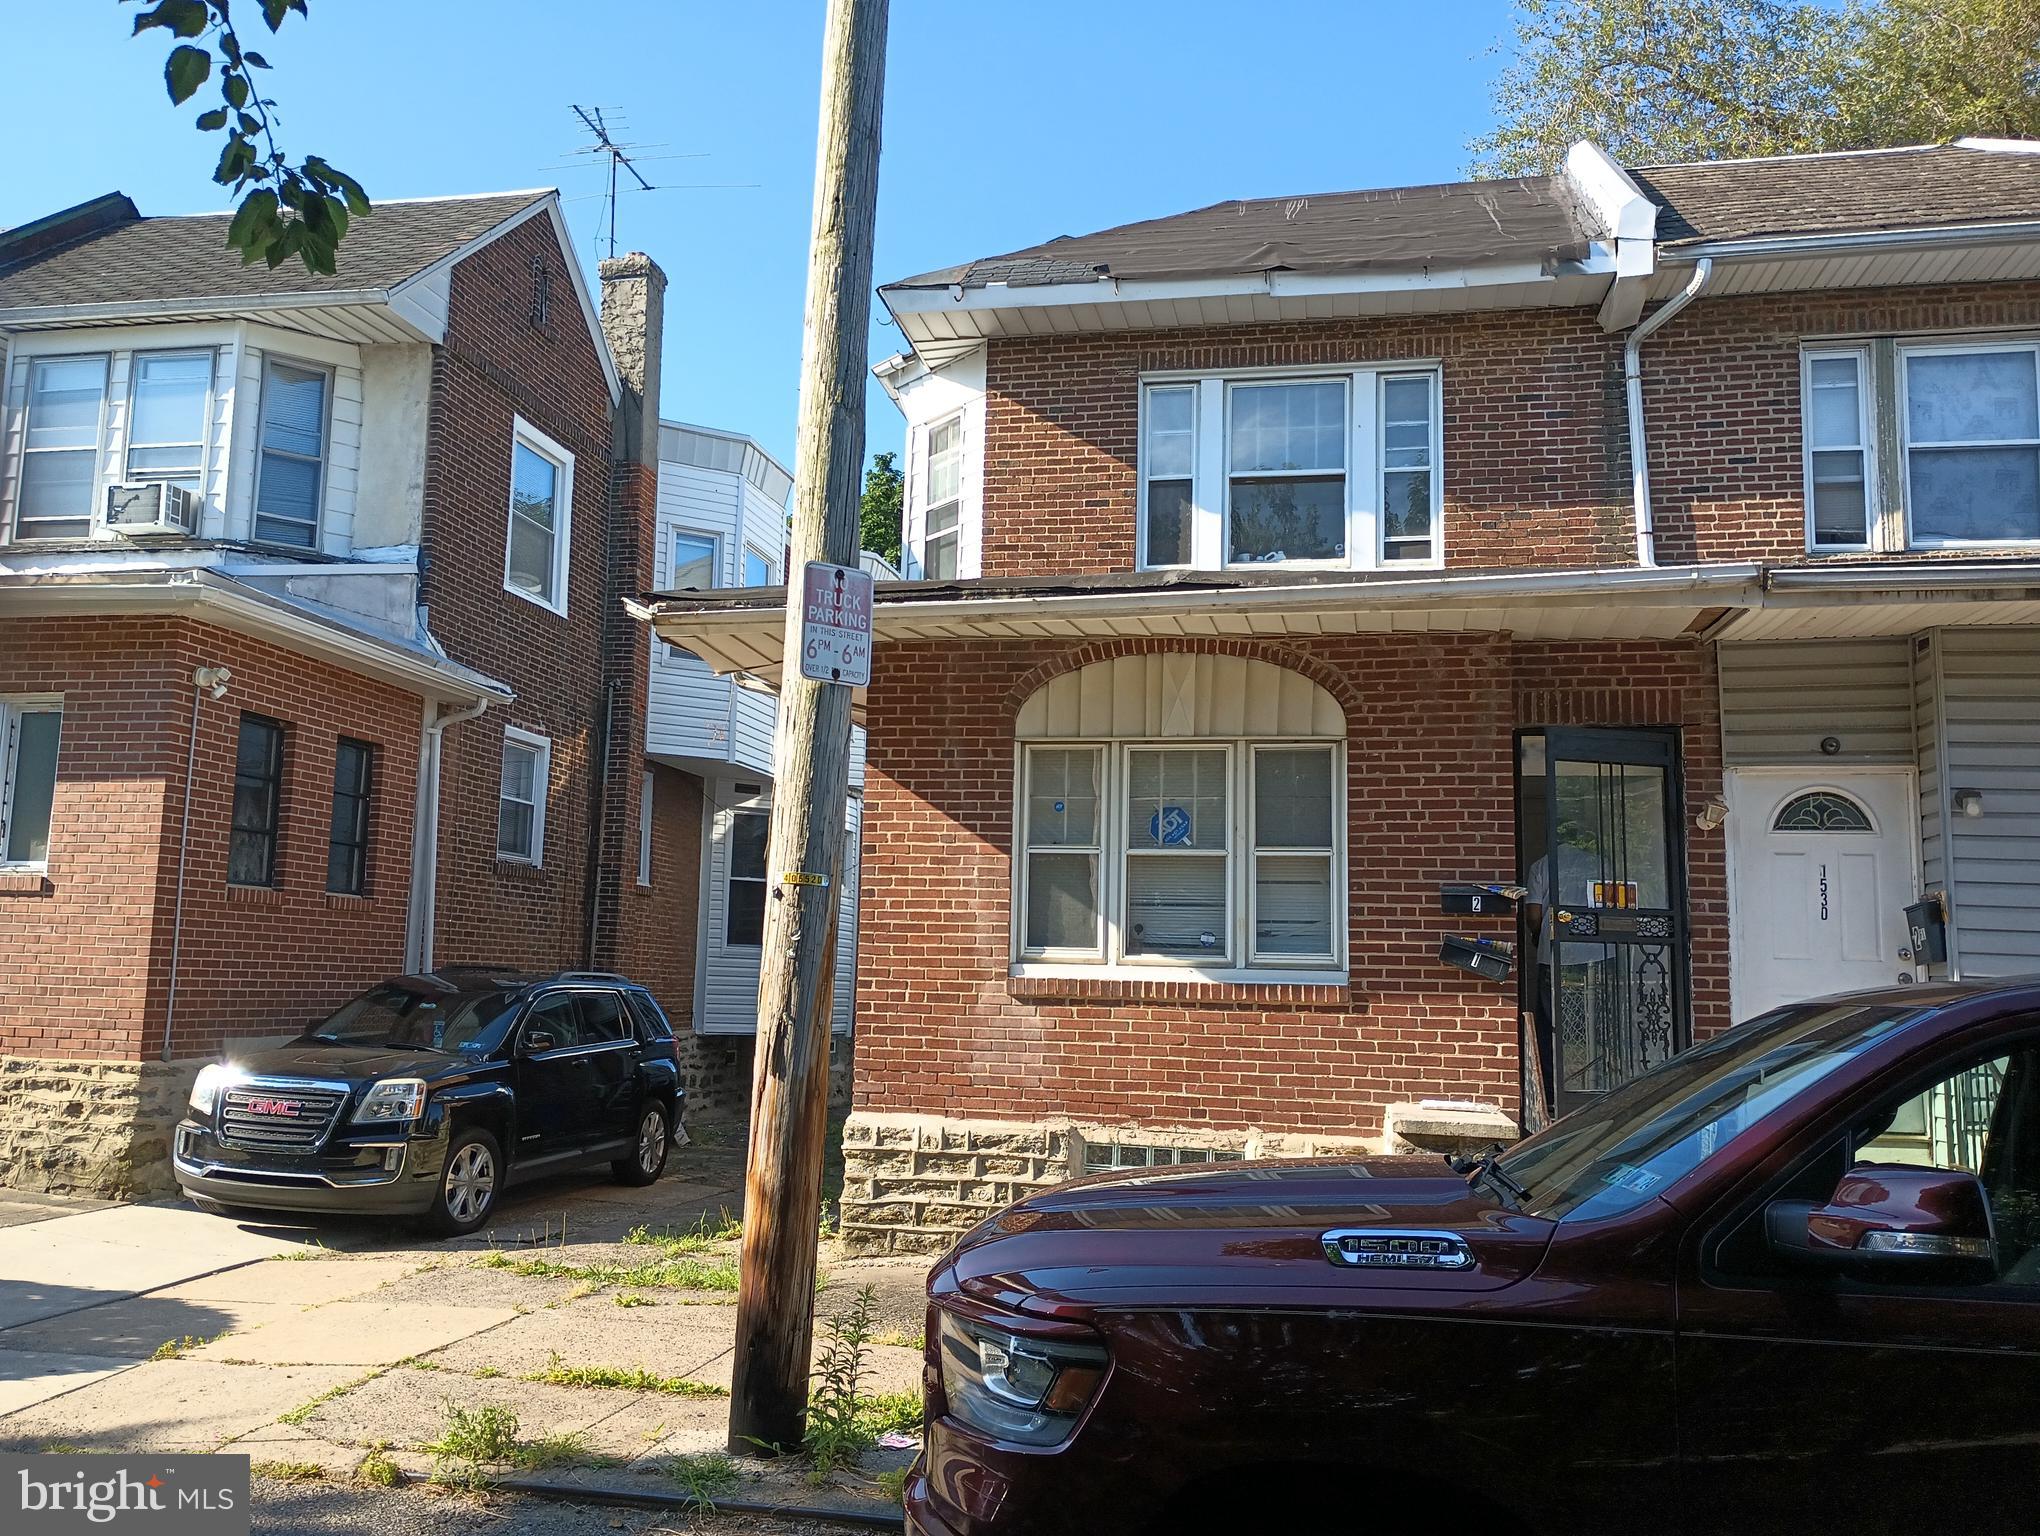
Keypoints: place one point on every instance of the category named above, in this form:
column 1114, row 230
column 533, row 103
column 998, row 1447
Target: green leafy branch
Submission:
column 286, row 210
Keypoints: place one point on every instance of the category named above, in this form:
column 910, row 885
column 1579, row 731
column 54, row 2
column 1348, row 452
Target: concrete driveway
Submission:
column 601, row 1317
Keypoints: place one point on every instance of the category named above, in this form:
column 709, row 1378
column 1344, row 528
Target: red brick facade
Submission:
column 1430, row 722
column 93, row 936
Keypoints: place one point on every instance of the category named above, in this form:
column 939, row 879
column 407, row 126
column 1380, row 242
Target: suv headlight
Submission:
column 392, row 1099
column 205, row 1092
column 1015, row 1386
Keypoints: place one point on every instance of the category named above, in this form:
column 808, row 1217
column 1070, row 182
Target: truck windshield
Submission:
column 1623, row 1149
column 467, row 1023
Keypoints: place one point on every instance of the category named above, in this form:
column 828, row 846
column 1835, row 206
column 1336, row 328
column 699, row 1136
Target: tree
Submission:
column 1661, row 80
column 878, row 514
column 285, row 210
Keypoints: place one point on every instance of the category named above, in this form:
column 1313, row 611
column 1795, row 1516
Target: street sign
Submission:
column 835, row 629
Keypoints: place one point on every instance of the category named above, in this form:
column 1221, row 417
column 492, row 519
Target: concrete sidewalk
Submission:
column 602, row 1318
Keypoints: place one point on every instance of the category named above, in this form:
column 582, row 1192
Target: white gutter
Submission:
column 1930, row 576
column 1639, row 442
column 424, row 907
column 1854, row 240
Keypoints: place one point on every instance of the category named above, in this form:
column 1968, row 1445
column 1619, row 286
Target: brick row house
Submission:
column 313, row 661
column 1381, row 669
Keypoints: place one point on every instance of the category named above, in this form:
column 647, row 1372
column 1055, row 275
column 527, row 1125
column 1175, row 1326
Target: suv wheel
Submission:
column 648, row 1160
column 467, row 1184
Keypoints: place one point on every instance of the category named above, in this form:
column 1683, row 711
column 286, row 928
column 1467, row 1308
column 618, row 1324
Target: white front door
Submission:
column 1821, row 866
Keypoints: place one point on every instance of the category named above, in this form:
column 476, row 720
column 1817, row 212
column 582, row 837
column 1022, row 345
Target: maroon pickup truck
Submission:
column 1789, row 1281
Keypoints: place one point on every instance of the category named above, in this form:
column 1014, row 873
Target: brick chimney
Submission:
column 633, row 314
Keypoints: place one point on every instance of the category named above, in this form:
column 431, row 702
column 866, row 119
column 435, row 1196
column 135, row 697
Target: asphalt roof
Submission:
column 136, row 260
column 1454, row 224
column 1923, row 187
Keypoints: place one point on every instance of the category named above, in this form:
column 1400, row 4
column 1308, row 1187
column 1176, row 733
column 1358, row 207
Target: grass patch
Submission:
column 314, row 1249
column 892, row 1483
column 630, row 1299
column 289, row 1471
column 902, row 1340
column 680, row 1273
column 706, row 1235
column 419, row 1363
column 559, row 1374
column 66, row 1448
column 472, row 1441
column 170, row 1349
column 551, row 1451
column 888, row 1412
column 377, row 1470
column 706, row 1477
column 297, row 1416
column 487, row 1371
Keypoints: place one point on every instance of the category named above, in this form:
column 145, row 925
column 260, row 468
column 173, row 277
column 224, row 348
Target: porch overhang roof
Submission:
column 742, row 631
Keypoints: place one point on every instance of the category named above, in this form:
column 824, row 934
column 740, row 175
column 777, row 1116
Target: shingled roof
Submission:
column 1455, row 224
column 139, row 260
column 1925, row 187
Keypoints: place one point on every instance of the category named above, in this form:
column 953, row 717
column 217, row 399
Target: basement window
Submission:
column 1104, row 1157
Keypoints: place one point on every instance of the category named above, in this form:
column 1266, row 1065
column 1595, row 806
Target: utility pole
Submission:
column 804, row 856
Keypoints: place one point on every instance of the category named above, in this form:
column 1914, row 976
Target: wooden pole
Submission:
column 789, row 1085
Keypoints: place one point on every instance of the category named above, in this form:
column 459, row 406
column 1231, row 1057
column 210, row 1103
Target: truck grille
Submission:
column 290, row 1118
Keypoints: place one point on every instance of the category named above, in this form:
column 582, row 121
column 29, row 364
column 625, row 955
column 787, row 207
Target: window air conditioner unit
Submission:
column 155, row 508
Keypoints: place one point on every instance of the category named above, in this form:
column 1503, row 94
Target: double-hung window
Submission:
column 943, row 500
column 1217, row 855
column 757, row 568
column 541, row 517
column 168, row 408
column 60, row 447
column 1972, row 443
column 520, row 803
column 744, row 886
column 258, row 802
column 291, row 480
column 1337, row 469
column 647, row 789
column 1958, row 463
column 347, row 833
column 29, row 732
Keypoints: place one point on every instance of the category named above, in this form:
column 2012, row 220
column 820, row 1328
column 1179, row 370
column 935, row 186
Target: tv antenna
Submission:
column 625, row 158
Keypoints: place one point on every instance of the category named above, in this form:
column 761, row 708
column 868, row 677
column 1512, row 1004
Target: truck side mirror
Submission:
column 1893, row 1221
column 537, row 1040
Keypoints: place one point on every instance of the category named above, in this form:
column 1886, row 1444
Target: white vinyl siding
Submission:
column 1333, row 469
column 1781, row 699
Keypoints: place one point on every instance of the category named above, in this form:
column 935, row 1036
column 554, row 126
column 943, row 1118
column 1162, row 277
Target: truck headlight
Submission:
column 392, row 1099
column 1016, row 1386
column 205, row 1092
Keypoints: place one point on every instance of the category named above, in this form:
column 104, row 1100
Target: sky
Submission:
column 1005, row 125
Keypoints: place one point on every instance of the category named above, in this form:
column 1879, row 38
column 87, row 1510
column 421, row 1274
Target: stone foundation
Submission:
column 915, row 1183
column 90, row 1127
column 716, row 1071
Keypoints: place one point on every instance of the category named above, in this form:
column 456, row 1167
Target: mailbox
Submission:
column 1927, row 922
column 1479, row 900
column 1490, row 959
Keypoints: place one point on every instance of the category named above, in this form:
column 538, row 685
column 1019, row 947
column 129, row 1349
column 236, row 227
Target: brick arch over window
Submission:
column 1267, row 663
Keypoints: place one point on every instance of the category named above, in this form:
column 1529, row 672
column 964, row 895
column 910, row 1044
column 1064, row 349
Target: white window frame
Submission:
column 541, row 786
column 1251, row 928
column 1365, row 466
column 954, row 532
column 12, row 708
column 130, row 475
column 1147, row 389
column 674, row 532
column 731, row 877
column 262, row 450
column 523, row 434
column 1123, row 853
column 1907, row 350
column 95, row 503
column 1245, row 964
column 1866, row 417
column 647, row 793
column 764, row 559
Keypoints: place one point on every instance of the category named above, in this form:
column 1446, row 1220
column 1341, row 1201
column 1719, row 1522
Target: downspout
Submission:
column 425, row 836
column 1632, row 378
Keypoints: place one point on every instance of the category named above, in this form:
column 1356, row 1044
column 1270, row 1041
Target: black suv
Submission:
column 426, row 1095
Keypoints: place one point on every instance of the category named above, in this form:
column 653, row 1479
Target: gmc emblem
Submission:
column 272, row 1106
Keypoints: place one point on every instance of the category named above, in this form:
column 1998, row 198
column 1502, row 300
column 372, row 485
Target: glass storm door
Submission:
column 1605, row 872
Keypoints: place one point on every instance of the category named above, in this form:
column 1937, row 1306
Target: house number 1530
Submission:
column 1823, row 893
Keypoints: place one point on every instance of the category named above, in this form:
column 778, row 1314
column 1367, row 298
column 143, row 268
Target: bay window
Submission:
column 1336, row 469
column 290, row 478
column 1220, row 856
column 1960, row 460
column 167, row 418
column 60, row 447
column 943, row 500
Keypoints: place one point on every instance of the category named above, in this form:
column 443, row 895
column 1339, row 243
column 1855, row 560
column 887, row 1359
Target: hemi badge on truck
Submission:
column 1360, row 1248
